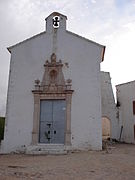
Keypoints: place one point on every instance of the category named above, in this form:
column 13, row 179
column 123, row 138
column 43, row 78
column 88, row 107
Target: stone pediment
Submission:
column 53, row 80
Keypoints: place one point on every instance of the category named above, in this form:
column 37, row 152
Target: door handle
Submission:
column 49, row 125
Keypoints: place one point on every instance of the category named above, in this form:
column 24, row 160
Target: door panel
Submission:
column 45, row 132
column 46, row 110
column 59, row 107
column 52, row 121
column 58, row 133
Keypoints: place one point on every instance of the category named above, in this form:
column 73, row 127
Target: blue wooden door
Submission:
column 52, row 121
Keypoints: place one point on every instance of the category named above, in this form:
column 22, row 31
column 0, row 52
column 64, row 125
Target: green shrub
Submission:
column 2, row 125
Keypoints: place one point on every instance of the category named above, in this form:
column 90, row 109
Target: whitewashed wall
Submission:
column 126, row 96
column 109, row 109
column 27, row 60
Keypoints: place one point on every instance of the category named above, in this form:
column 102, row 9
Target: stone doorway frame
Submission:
column 36, row 116
column 52, row 89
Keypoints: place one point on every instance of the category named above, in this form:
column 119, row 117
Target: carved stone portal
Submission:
column 52, row 86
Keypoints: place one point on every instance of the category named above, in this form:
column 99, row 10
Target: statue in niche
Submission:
column 53, row 77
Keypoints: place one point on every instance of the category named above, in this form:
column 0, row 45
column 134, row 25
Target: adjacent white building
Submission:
column 109, row 110
column 126, row 109
column 54, row 92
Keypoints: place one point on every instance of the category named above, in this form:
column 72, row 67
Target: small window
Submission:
column 134, row 107
column 56, row 21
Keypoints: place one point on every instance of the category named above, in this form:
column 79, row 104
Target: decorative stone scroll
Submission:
column 52, row 86
column 53, row 79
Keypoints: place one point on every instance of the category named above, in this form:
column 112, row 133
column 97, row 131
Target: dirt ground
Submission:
column 118, row 163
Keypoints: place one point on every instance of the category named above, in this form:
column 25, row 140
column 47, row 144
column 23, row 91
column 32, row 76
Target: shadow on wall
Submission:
column 2, row 125
column 106, row 128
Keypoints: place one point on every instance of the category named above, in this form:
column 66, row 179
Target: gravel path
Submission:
column 118, row 163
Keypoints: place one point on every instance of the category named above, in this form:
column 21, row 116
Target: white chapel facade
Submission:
column 54, row 92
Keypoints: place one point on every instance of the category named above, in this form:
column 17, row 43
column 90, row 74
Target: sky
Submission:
column 108, row 22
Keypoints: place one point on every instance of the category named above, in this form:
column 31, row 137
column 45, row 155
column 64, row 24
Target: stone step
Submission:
column 46, row 146
column 46, row 152
column 46, row 149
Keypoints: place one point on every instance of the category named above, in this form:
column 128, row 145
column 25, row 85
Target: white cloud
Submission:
column 93, row 1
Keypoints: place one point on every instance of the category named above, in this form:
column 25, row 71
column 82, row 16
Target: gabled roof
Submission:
column 103, row 53
column 59, row 14
column 10, row 47
column 126, row 83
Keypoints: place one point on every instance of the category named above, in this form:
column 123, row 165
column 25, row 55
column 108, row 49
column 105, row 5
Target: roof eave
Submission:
column 81, row 37
column 103, row 53
column 8, row 48
column 102, row 46
column 11, row 47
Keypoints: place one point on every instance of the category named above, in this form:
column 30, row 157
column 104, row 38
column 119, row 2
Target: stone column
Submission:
column 68, row 119
column 36, row 116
